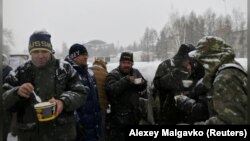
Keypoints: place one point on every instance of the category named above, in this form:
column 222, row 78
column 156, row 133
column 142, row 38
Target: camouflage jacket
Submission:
column 227, row 88
column 59, row 80
column 227, row 99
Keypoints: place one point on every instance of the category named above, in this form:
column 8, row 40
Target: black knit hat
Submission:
column 40, row 40
column 184, row 50
column 127, row 56
column 76, row 50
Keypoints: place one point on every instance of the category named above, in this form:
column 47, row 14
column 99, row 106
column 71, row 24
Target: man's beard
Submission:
column 125, row 70
column 39, row 65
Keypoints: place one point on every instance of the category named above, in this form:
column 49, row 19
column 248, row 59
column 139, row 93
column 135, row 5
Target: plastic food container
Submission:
column 45, row 111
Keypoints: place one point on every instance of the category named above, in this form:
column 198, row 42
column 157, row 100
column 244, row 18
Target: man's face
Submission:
column 81, row 60
column 40, row 57
column 126, row 66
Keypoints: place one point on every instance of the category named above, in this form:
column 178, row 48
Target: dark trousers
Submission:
column 118, row 124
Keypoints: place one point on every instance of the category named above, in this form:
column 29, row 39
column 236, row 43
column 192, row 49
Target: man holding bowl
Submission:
column 52, row 80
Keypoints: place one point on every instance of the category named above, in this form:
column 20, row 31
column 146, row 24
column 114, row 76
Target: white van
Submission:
column 16, row 60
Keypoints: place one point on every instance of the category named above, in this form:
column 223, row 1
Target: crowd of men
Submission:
column 201, row 84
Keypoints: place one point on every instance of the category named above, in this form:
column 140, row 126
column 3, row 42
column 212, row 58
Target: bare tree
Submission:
column 191, row 27
column 224, row 28
column 209, row 18
column 161, row 45
column 179, row 30
column 240, row 35
column 194, row 28
column 238, row 20
column 149, row 41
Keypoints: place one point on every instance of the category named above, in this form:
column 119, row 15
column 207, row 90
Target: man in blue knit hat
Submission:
column 52, row 80
column 40, row 41
column 89, row 115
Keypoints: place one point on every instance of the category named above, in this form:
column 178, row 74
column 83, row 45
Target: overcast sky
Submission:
column 114, row 21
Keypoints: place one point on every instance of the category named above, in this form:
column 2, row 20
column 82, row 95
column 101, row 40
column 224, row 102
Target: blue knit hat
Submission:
column 40, row 40
column 76, row 50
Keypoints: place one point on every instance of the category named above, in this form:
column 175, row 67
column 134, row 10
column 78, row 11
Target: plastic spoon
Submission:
column 38, row 99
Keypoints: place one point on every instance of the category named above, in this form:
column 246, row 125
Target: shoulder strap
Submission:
column 231, row 65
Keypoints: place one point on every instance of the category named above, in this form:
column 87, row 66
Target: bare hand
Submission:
column 25, row 90
column 132, row 79
column 59, row 106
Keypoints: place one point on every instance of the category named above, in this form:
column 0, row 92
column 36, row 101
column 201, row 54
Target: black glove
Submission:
column 184, row 103
column 200, row 89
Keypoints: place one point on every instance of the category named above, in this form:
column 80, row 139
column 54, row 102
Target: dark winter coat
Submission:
column 57, row 79
column 6, row 71
column 168, row 83
column 89, row 115
column 7, row 115
column 124, row 96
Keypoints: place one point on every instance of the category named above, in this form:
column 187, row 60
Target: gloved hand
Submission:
column 200, row 89
column 184, row 103
column 180, row 99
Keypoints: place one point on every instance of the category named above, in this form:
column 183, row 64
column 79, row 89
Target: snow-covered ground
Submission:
column 148, row 69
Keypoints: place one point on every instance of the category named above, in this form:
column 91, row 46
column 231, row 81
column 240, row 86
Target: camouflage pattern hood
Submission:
column 212, row 52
